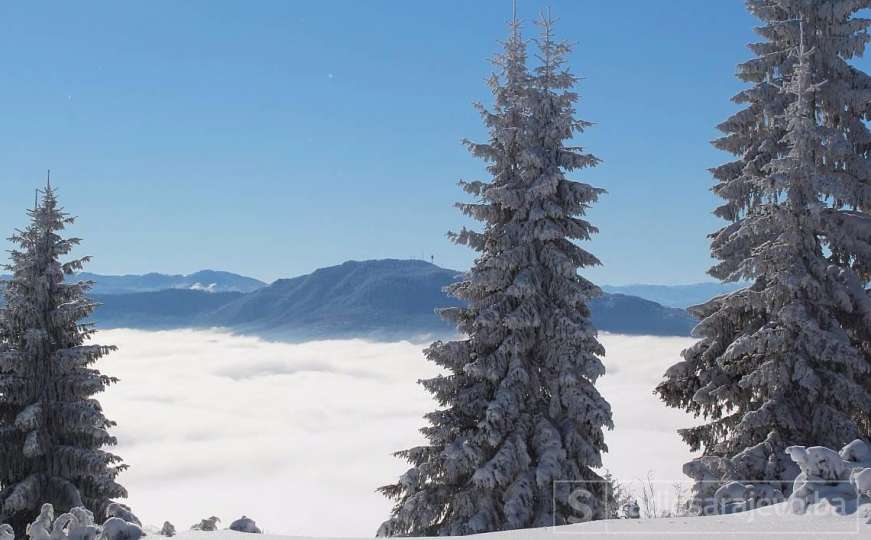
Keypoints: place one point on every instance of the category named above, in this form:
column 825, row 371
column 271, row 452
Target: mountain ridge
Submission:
column 384, row 299
column 207, row 280
column 678, row 296
column 674, row 295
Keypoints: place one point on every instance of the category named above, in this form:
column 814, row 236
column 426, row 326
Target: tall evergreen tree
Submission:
column 520, row 428
column 786, row 360
column 52, row 429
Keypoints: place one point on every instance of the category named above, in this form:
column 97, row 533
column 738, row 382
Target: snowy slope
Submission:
column 762, row 524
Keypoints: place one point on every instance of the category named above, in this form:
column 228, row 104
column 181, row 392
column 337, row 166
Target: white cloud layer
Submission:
column 298, row 436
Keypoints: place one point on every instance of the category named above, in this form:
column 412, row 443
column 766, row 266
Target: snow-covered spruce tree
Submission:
column 52, row 430
column 785, row 361
column 521, row 423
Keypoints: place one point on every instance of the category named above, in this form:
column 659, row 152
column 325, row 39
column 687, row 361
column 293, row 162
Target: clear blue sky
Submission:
column 270, row 138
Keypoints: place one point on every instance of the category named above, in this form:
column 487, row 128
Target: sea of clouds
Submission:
column 298, row 436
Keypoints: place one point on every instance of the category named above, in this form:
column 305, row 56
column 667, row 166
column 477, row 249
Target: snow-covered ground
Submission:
column 298, row 436
column 763, row 524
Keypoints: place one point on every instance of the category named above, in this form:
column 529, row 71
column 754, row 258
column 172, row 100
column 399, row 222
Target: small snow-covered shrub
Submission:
column 77, row 524
column 62, row 525
column 828, row 475
column 84, row 517
column 207, row 524
column 711, row 473
column 122, row 511
column 820, row 463
column 117, row 529
column 7, row 532
column 707, row 473
column 857, row 451
column 718, row 487
column 40, row 529
column 862, row 481
column 167, row 530
column 730, row 498
column 735, row 497
column 246, row 525
column 759, row 495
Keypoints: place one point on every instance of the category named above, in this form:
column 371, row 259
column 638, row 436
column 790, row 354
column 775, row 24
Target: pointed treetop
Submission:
column 515, row 25
column 546, row 22
column 47, row 192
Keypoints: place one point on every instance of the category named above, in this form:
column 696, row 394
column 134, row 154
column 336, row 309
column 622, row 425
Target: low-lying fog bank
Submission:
column 217, row 424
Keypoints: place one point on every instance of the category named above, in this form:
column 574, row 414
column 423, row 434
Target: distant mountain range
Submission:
column 204, row 280
column 389, row 298
column 679, row 296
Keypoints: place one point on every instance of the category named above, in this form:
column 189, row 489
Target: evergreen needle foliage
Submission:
column 52, row 429
column 520, row 427
column 785, row 361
